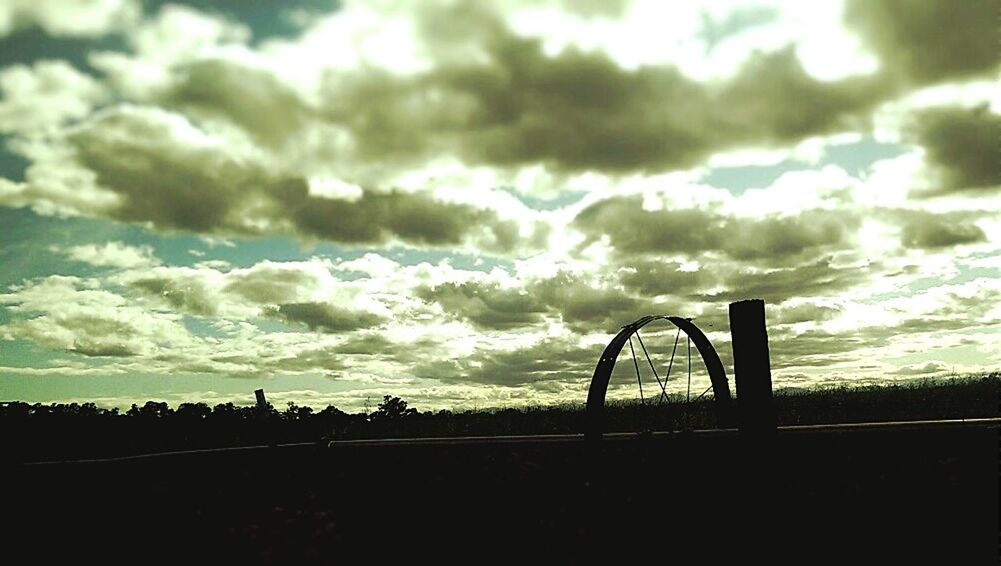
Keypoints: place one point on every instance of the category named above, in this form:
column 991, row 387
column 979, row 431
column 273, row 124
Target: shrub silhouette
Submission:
column 392, row 408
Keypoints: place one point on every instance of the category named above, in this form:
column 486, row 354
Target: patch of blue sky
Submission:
column 964, row 275
column 202, row 327
column 27, row 239
column 457, row 260
column 739, row 179
column 269, row 326
column 30, row 244
column 266, row 20
column 245, row 252
column 27, row 46
column 21, row 353
column 856, row 158
column 12, row 165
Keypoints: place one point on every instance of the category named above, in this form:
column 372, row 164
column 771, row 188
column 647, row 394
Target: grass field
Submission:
column 912, row 495
column 924, row 496
column 40, row 432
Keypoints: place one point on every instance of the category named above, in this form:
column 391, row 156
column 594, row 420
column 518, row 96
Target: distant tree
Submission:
column 296, row 413
column 193, row 411
column 151, row 410
column 332, row 412
column 392, row 408
column 17, row 409
column 224, row 411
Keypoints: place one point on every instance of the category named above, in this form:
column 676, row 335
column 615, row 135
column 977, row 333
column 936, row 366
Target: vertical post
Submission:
column 265, row 426
column 752, row 367
column 262, row 403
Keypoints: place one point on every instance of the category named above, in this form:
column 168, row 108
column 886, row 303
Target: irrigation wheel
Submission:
column 652, row 379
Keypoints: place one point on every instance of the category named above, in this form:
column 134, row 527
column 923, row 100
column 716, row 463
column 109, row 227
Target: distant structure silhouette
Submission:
column 751, row 366
column 603, row 371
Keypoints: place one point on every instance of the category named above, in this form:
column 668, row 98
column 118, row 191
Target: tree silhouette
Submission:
column 296, row 413
column 392, row 408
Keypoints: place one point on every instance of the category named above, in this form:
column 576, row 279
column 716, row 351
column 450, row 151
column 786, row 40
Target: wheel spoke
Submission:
column 637, row 366
column 703, row 393
column 663, row 386
column 671, row 364
column 688, row 392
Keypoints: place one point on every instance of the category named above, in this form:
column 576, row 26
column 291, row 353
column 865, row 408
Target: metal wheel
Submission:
column 658, row 379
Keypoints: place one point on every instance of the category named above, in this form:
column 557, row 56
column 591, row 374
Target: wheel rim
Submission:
column 598, row 389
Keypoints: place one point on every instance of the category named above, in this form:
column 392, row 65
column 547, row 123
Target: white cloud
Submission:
column 89, row 18
column 114, row 254
column 46, row 95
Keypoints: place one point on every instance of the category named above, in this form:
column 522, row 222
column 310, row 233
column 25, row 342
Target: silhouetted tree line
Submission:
column 67, row 431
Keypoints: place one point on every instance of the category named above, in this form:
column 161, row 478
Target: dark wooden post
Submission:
column 262, row 403
column 265, row 426
column 752, row 367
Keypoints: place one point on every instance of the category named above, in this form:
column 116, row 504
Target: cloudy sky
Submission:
column 460, row 202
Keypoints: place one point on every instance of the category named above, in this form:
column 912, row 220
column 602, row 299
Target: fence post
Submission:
column 262, row 403
column 264, row 424
column 752, row 367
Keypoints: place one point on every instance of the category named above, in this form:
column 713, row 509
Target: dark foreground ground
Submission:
column 884, row 496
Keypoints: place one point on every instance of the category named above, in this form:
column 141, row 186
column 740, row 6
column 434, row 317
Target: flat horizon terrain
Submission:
column 900, row 494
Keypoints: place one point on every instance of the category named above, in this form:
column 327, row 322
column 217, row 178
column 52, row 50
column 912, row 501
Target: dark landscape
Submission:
column 918, row 492
column 540, row 281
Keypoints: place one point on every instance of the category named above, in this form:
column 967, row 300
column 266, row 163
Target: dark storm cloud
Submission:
column 158, row 176
column 254, row 99
column 940, row 231
column 550, row 359
column 653, row 277
column 929, row 41
column 817, row 347
column 272, row 282
column 324, row 358
column 579, row 110
column 169, row 181
column 100, row 336
column 773, row 99
column 412, row 217
column 817, row 278
column 587, row 305
column 634, row 230
column 324, row 317
column 805, row 312
column 186, row 294
column 963, row 146
column 582, row 303
column 367, row 344
column 487, row 304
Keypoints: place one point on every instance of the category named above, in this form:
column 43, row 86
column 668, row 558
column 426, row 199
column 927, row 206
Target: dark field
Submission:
column 904, row 496
column 57, row 432
column 909, row 495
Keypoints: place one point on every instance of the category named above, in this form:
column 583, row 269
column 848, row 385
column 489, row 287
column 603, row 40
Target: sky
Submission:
column 460, row 202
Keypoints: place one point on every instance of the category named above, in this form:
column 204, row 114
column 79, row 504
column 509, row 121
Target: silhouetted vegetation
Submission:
column 67, row 431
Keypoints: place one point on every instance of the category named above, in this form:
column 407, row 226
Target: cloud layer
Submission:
column 482, row 192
